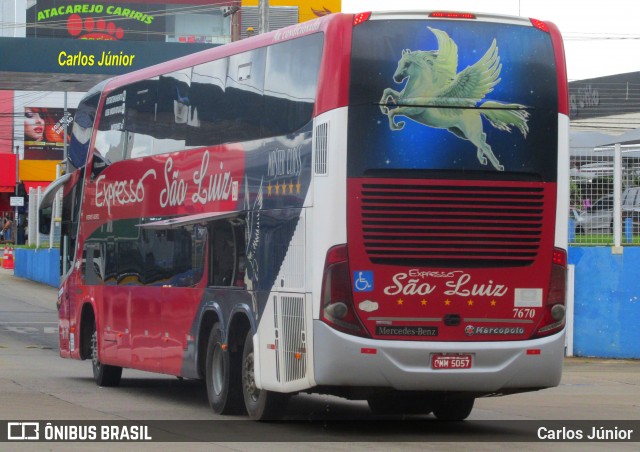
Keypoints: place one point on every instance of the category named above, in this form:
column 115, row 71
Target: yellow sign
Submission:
column 42, row 170
column 307, row 9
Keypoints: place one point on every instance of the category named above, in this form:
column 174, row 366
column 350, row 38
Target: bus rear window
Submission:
column 451, row 96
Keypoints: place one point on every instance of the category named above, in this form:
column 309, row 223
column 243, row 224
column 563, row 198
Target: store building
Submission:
column 67, row 46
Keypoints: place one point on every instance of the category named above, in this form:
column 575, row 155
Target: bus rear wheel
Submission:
column 223, row 375
column 262, row 405
column 103, row 374
column 454, row 409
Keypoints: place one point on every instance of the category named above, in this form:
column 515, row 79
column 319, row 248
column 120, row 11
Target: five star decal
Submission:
column 284, row 188
column 424, row 302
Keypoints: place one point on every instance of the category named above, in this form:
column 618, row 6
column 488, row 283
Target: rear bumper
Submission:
column 339, row 360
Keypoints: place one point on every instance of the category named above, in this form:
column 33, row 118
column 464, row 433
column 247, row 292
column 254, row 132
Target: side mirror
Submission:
column 45, row 208
column 44, row 226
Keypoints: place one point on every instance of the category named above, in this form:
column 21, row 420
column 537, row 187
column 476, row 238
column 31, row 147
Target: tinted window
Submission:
column 124, row 253
column 110, row 144
column 244, row 95
column 255, row 94
column 227, row 253
column 291, row 84
column 209, row 102
column 71, row 203
column 82, row 130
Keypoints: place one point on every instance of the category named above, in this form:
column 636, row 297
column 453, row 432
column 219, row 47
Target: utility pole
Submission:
column 14, row 224
column 234, row 12
column 263, row 16
column 66, row 124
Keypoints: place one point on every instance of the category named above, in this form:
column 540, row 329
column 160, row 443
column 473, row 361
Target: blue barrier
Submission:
column 38, row 265
column 607, row 302
column 628, row 230
column 572, row 230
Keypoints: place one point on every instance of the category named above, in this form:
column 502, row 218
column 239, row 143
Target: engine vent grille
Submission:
column 322, row 143
column 293, row 338
column 451, row 226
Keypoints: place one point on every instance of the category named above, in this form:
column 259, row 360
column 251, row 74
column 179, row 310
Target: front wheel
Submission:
column 262, row 405
column 103, row 374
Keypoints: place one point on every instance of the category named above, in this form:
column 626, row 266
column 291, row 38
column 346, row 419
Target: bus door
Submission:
column 181, row 292
column 171, row 256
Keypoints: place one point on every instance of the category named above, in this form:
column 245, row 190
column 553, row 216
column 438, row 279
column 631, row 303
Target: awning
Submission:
column 7, row 173
column 28, row 185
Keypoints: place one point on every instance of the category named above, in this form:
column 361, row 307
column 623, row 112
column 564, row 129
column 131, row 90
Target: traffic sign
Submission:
column 16, row 201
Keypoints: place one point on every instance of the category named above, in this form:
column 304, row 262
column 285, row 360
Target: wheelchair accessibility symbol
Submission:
column 363, row 281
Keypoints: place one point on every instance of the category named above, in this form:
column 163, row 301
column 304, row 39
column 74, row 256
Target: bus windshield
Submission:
column 451, row 97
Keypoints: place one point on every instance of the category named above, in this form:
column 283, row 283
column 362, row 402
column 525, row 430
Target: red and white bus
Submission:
column 371, row 205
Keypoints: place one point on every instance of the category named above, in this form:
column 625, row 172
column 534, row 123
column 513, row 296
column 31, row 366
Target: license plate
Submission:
column 451, row 361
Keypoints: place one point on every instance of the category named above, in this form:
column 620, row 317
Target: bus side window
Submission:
column 226, row 254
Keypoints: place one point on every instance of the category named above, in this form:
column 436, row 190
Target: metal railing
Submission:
column 605, row 196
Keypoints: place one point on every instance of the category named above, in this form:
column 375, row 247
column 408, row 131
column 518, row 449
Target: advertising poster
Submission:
column 44, row 133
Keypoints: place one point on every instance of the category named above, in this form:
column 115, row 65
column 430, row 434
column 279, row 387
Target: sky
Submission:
column 600, row 37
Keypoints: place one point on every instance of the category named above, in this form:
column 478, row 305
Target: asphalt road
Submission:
column 37, row 385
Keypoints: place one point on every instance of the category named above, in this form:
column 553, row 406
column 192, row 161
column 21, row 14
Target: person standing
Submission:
column 6, row 229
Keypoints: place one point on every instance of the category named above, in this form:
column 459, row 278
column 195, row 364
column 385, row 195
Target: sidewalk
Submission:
column 37, row 293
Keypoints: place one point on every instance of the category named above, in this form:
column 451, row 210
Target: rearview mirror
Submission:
column 44, row 225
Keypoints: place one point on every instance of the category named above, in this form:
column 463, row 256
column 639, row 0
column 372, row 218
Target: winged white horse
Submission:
column 432, row 81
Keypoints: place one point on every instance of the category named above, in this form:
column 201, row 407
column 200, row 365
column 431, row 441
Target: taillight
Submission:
column 337, row 308
column 540, row 25
column 553, row 318
column 361, row 17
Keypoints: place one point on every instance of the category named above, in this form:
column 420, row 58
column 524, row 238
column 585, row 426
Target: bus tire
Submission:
column 261, row 405
column 223, row 375
column 454, row 409
column 103, row 374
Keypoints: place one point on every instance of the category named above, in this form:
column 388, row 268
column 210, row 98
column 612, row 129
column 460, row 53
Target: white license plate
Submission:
column 439, row 361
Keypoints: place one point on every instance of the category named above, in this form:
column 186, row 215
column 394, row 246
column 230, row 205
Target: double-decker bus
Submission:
column 372, row 206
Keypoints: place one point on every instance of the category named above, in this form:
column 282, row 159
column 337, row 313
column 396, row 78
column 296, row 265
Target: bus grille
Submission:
column 292, row 334
column 461, row 225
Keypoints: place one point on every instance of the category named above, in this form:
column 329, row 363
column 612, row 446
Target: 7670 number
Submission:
column 524, row 313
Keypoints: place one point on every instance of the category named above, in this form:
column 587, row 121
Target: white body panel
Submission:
column 406, row 365
column 322, row 225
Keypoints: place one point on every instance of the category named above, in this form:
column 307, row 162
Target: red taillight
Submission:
column 361, row 17
column 540, row 25
column 451, row 15
column 553, row 318
column 337, row 308
column 559, row 257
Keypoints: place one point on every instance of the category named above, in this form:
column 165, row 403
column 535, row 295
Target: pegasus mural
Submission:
column 433, row 80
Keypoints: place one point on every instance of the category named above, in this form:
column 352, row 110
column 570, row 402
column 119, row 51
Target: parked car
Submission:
column 595, row 219
column 631, row 207
column 599, row 217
